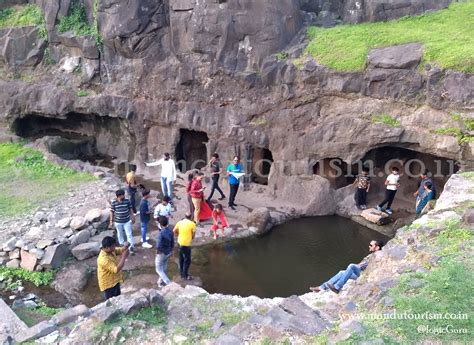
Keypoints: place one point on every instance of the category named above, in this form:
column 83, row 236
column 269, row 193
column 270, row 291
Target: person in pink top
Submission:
column 197, row 194
column 218, row 214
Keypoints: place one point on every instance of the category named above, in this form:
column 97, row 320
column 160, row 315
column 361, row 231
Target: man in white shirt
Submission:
column 168, row 174
column 392, row 183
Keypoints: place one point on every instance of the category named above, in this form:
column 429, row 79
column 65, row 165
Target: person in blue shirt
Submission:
column 233, row 167
column 145, row 218
column 164, row 250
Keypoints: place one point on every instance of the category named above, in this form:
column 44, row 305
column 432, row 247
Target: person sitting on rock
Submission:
column 109, row 266
column 352, row 271
column 426, row 197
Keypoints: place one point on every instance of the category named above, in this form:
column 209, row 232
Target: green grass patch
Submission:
column 386, row 119
column 11, row 278
column 82, row 93
column 28, row 180
column 461, row 136
column 153, row 316
column 27, row 15
column 446, row 36
column 78, row 23
column 281, row 56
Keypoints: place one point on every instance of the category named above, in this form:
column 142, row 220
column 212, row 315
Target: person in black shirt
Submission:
column 164, row 250
column 216, row 170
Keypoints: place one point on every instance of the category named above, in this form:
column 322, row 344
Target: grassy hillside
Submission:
column 22, row 16
column 447, row 37
column 27, row 180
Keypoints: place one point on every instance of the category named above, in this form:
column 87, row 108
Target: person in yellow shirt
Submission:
column 185, row 229
column 109, row 266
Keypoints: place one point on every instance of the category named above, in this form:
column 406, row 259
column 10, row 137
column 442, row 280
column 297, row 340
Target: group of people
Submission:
column 113, row 255
column 426, row 190
column 123, row 211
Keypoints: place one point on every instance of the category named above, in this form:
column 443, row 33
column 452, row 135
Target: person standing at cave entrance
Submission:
column 392, row 184
column 197, row 195
column 109, row 266
column 426, row 197
column 363, row 185
column 121, row 214
column 188, row 190
column 132, row 186
column 234, row 171
column 337, row 282
column 168, row 174
column 185, row 230
column 425, row 176
column 216, row 170
column 164, row 250
column 145, row 218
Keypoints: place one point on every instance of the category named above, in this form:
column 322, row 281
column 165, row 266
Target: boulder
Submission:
column 55, row 255
column 79, row 238
column 28, row 260
column 128, row 303
column 15, row 263
column 105, row 311
column 348, row 328
column 37, row 331
column 64, row 223
column 259, row 219
column 375, row 216
column 69, row 315
column 20, row 243
column 468, row 216
column 98, row 238
column 11, row 323
column 40, row 217
column 93, row 215
column 42, row 244
column 404, row 56
column 78, row 223
column 99, row 174
column 14, row 254
column 21, row 46
column 10, row 244
column 39, row 253
column 71, row 280
column 86, row 250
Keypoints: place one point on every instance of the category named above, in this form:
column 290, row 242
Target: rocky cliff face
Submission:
column 180, row 73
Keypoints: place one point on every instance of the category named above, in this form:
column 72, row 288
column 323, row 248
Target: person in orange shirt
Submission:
column 109, row 266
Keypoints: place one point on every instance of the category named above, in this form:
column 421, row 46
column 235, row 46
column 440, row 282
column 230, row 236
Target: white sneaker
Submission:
column 146, row 245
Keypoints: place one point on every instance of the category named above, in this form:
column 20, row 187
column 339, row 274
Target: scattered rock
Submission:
column 468, row 216
column 99, row 174
column 69, row 315
column 115, row 332
column 348, row 328
column 105, row 311
column 86, row 250
column 55, row 255
column 397, row 253
column 28, row 260
column 40, row 218
column 42, row 244
column 37, row 331
column 10, row 244
column 51, row 338
column 71, row 281
column 14, row 254
column 78, row 223
column 15, row 263
column 98, row 238
column 20, row 243
column 81, row 237
column 93, row 215
column 404, row 56
column 64, row 223
column 39, row 253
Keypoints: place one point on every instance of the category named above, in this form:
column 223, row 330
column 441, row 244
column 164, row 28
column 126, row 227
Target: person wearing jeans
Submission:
column 168, row 174
column 145, row 218
column 164, row 249
column 392, row 183
column 132, row 187
column 337, row 282
column 185, row 229
column 216, row 170
column 234, row 167
column 121, row 214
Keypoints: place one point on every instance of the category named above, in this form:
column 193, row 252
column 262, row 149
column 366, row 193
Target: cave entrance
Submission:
column 97, row 139
column 411, row 164
column 191, row 151
column 262, row 161
column 338, row 172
